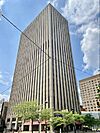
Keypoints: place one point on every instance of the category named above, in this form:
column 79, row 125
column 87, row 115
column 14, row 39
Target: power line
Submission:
column 35, row 69
column 26, row 75
column 24, row 34
column 41, row 50
column 5, row 90
column 39, row 47
column 73, row 67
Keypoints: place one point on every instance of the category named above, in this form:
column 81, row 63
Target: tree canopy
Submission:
column 62, row 118
column 89, row 120
column 45, row 114
column 27, row 110
column 78, row 118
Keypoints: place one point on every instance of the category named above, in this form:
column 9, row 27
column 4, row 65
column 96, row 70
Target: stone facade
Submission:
column 88, row 89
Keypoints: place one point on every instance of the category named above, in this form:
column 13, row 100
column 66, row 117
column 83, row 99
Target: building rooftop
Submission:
column 89, row 78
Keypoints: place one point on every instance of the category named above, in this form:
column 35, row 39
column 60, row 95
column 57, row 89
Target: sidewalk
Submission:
column 54, row 132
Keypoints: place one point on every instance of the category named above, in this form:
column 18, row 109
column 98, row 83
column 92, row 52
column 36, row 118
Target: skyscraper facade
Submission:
column 45, row 72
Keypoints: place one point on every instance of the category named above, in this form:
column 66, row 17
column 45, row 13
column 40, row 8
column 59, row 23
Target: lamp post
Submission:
column 74, row 123
column 39, row 121
column 45, row 120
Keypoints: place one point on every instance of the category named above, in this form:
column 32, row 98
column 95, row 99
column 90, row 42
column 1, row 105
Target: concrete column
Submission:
column 22, row 128
column 16, row 123
column 10, row 123
column 30, row 126
column 39, row 127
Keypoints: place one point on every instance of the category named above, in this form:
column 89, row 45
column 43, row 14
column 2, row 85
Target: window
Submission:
column 8, row 120
column 13, row 119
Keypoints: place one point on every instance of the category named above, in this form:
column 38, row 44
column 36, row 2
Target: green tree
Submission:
column 27, row 110
column 97, row 123
column 68, row 117
column 62, row 118
column 89, row 120
column 45, row 115
column 78, row 118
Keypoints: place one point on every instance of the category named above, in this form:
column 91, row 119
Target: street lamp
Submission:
column 74, row 124
column 40, row 121
column 45, row 120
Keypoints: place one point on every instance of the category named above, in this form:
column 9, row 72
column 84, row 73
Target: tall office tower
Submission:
column 88, row 89
column 45, row 72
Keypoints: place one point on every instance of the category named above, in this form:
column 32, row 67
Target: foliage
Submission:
column 45, row 114
column 89, row 120
column 97, row 122
column 57, row 121
column 27, row 110
column 78, row 118
column 68, row 117
column 65, row 118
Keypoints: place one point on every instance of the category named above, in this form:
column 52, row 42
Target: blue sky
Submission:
column 83, row 18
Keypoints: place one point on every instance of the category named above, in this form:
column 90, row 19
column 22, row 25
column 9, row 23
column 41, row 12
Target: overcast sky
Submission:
column 83, row 17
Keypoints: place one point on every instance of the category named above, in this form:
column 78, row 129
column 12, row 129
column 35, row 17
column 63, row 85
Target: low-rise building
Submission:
column 88, row 90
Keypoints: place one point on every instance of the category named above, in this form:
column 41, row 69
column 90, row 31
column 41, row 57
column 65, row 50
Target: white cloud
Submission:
column 0, row 75
column 84, row 15
column 80, row 12
column 5, row 78
column 3, row 82
column 3, row 97
column 2, row 3
column 90, row 48
column 12, row 79
column 97, row 71
column 53, row 2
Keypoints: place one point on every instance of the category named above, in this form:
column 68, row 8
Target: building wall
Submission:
column 88, row 89
column 95, row 114
column 4, row 110
column 54, row 81
column 64, row 83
